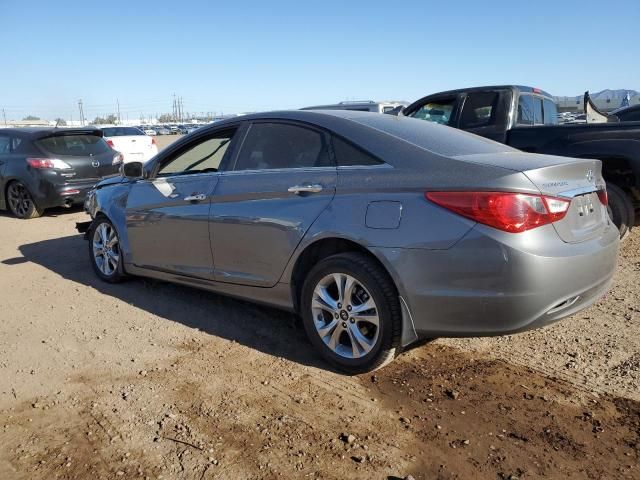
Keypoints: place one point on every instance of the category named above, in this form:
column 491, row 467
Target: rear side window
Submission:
column 74, row 145
column 121, row 131
column 525, row 110
column 437, row 112
column 348, row 154
column 550, row 112
column 5, row 144
column 479, row 109
column 277, row 145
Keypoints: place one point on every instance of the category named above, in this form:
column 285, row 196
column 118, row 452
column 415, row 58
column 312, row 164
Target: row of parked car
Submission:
column 169, row 129
column 377, row 229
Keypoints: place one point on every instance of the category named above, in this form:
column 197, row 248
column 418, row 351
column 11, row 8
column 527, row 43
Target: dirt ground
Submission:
column 151, row 380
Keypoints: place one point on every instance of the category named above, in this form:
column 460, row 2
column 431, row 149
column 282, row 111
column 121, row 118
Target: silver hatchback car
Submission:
column 376, row 230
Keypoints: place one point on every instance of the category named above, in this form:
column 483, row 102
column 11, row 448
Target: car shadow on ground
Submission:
column 266, row 329
column 49, row 212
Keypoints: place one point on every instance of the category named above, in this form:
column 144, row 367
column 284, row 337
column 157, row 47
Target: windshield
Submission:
column 121, row 131
column 74, row 145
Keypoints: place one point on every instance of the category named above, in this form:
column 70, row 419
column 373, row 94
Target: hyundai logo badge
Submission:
column 590, row 177
column 95, row 164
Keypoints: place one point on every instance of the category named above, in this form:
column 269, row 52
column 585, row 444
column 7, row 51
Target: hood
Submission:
column 116, row 179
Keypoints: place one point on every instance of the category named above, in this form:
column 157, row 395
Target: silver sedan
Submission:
column 376, row 230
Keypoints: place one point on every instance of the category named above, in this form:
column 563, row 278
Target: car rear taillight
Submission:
column 118, row 158
column 604, row 198
column 507, row 211
column 153, row 141
column 110, row 143
column 51, row 163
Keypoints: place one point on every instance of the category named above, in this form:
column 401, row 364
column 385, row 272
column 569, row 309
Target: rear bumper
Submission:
column 494, row 283
column 63, row 194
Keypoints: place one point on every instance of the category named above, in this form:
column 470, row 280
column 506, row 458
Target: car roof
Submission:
column 520, row 88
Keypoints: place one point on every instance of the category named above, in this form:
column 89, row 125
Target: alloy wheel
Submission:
column 345, row 315
column 19, row 199
column 106, row 249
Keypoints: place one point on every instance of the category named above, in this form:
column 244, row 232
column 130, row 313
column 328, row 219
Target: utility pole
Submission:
column 175, row 108
column 4, row 115
column 81, row 112
column 119, row 119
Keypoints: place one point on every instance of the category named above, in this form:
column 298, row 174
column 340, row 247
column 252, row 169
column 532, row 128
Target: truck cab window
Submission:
column 438, row 111
column 550, row 112
column 537, row 111
column 525, row 110
column 479, row 109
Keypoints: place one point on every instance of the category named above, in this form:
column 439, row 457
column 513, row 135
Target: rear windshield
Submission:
column 121, row 131
column 435, row 138
column 74, row 145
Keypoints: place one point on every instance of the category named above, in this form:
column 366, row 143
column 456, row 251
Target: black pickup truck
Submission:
column 527, row 118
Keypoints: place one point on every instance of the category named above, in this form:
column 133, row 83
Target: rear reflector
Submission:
column 604, row 198
column 507, row 211
column 53, row 163
column 70, row 192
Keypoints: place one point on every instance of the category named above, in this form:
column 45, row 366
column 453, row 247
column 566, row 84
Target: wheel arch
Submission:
column 324, row 247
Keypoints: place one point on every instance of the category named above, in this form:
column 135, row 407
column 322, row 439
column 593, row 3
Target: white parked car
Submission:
column 134, row 145
column 148, row 130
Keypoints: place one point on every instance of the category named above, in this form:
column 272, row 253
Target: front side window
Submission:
column 525, row 110
column 204, row 157
column 437, row 112
column 278, row 145
column 74, row 145
column 550, row 112
column 479, row 109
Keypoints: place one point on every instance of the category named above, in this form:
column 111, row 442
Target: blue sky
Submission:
column 246, row 55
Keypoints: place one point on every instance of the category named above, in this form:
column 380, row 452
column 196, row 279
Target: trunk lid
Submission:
column 574, row 179
column 578, row 181
column 135, row 148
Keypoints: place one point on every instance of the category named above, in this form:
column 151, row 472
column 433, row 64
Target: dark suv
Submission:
column 48, row 167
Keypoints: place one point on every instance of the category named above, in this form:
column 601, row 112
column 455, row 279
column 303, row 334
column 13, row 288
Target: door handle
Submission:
column 306, row 188
column 196, row 198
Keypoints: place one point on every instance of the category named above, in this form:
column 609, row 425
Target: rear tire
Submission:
column 620, row 209
column 351, row 312
column 20, row 201
column 104, row 251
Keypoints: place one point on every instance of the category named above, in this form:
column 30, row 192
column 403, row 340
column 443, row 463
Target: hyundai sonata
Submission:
column 376, row 230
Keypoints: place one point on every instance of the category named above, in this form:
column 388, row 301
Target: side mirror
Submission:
column 133, row 170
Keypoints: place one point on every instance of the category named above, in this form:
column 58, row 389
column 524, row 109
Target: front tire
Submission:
column 620, row 209
column 351, row 312
column 20, row 201
column 104, row 251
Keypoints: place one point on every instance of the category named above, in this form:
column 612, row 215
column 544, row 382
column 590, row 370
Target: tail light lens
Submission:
column 48, row 163
column 604, row 198
column 507, row 211
column 153, row 141
column 118, row 158
column 110, row 143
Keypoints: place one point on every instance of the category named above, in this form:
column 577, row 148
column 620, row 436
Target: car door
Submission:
column 167, row 215
column 282, row 179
